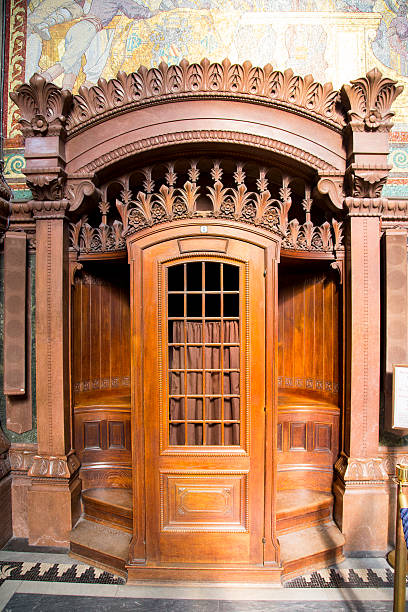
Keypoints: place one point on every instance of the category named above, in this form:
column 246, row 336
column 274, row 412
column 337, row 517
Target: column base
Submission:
column 6, row 528
column 362, row 505
column 53, row 502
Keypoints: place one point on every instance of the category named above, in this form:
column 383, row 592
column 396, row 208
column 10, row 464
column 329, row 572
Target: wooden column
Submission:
column 360, row 485
column 53, row 498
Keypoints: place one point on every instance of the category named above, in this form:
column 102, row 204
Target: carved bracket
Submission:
column 43, row 106
column 368, row 102
column 80, row 189
column 332, row 185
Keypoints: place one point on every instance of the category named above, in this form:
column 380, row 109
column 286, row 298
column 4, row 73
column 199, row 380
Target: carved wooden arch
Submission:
column 262, row 108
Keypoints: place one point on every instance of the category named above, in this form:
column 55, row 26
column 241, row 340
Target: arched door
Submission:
column 203, row 377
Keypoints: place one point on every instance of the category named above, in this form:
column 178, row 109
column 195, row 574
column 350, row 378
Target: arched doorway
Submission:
column 225, row 459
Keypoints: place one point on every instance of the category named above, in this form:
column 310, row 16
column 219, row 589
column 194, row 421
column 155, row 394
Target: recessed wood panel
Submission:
column 92, row 435
column 297, row 436
column 308, row 331
column 101, row 329
column 279, row 443
column 322, row 437
column 15, row 256
column 203, row 502
column 116, row 435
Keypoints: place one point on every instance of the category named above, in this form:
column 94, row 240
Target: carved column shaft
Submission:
column 55, row 488
column 360, row 475
column 363, row 385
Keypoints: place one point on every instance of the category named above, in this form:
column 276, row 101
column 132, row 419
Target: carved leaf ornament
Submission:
column 216, row 192
column 197, row 80
column 44, row 106
column 369, row 101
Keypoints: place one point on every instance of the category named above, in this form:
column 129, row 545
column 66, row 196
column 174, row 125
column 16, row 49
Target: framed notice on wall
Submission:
column 400, row 397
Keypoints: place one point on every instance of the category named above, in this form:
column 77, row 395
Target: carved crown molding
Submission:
column 50, row 209
column 368, row 102
column 54, row 466
column 396, row 210
column 352, row 469
column 223, row 80
column 205, row 136
column 43, row 106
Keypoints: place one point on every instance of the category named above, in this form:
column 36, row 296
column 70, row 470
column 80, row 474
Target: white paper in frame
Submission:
column 400, row 396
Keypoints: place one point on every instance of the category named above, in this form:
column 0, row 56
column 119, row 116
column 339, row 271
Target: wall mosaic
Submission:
column 76, row 42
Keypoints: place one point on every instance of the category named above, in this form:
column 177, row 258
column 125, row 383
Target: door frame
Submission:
column 137, row 566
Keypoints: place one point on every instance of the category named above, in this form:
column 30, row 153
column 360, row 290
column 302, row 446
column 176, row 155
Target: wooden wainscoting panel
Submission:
column 203, row 502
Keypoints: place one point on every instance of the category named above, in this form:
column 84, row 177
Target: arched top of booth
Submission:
column 273, row 112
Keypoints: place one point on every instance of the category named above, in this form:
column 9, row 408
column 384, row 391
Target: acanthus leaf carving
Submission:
column 46, row 186
column 367, row 183
column 368, row 101
column 43, row 106
column 166, row 82
column 206, row 197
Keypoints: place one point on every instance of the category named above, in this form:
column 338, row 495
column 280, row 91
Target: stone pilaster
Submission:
column 360, row 485
column 54, row 494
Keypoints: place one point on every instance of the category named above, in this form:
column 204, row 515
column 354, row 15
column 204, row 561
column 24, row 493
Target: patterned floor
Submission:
column 41, row 582
column 75, row 573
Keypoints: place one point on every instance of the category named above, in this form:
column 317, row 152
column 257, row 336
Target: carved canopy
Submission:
column 74, row 142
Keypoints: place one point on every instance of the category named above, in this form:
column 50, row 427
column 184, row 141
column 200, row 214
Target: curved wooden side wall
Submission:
column 308, row 378
column 101, row 375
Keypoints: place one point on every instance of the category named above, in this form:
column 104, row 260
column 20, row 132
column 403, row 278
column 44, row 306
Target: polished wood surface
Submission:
column 308, row 330
column 204, row 501
column 101, row 374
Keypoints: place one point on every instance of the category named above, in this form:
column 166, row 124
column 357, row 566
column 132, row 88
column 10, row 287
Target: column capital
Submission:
column 365, row 207
column 361, row 469
column 50, row 209
column 48, row 466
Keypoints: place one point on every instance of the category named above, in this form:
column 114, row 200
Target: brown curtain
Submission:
column 194, row 382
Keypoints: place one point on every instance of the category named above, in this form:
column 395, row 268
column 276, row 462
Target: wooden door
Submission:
column 204, row 397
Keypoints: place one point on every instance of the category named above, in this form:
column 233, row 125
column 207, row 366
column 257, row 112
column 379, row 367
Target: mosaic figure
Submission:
column 82, row 34
column 390, row 45
column 41, row 15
